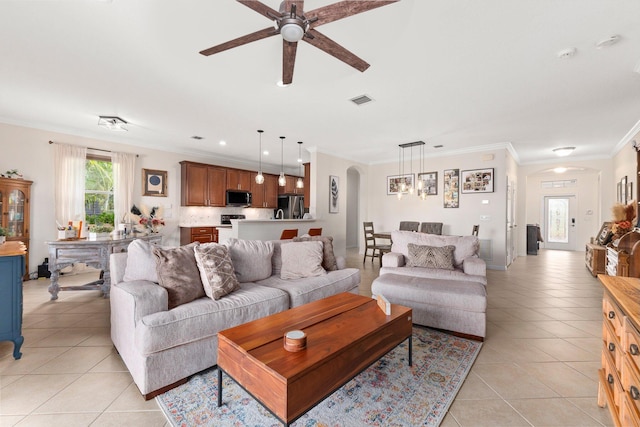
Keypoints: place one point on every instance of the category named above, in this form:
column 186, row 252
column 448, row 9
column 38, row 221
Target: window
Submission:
column 98, row 194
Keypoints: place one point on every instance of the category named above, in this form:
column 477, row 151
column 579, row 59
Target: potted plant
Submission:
column 3, row 235
column 98, row 231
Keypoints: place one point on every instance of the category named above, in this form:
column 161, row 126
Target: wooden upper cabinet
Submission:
column 238, row 179
column 15, row 201
column 264, row 195
column 307, row 185
column 202, row 185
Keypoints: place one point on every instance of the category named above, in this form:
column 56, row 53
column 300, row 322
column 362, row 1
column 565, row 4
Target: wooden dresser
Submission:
column 595, row 258
column 619, row 385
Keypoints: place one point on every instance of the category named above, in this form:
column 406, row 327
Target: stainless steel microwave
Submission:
column 238, row 198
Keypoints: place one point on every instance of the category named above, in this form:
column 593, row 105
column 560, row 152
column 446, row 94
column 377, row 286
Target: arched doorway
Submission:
column 353, row 207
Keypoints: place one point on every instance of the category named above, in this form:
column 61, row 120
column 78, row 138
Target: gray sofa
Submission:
column 161, row 347
column 453, row 298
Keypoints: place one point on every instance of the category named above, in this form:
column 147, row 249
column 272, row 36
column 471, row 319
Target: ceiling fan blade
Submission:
column 261, row 8
column 288, row 60
column 343, row 9
column 324, row 43
column 258, row 35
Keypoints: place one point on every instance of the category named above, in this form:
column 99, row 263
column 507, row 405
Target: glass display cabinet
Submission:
column 15, row 211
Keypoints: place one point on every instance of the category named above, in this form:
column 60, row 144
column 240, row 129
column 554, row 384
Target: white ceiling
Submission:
column 465, row 74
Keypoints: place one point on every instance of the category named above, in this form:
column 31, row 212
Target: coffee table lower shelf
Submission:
column 346, row 333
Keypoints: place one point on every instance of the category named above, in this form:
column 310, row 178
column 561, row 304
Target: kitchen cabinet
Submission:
column 202, row 185
column 307, row 185
column 238, row 179
column 264, row 195
column 15, row 195
column 198, row 234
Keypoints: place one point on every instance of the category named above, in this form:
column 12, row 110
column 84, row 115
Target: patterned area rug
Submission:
column 388, row 393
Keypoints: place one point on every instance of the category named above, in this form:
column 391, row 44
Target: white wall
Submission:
column 386, row 211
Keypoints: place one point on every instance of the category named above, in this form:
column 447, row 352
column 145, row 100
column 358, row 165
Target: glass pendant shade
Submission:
column 282, row 181
column 259, row 176
column 300, row 181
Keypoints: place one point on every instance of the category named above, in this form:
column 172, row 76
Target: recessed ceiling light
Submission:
column 560, row 170
column 609, row 41
column 223, row 142
column 563, row 151
column 265, row 152
column 567, row 53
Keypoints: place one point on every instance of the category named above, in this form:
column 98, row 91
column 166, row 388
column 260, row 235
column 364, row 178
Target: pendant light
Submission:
column 403, row 188
column 300, row 181
column 282, row 181
column 400, row 163
column 411, row 171
column 260, row 177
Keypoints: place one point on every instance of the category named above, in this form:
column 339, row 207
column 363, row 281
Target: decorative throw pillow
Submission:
column 328, row 258
column 216, row 270
column 251, row 259
column 141, row 262
column 430, row 256
column 301, row 259
column 178, row 273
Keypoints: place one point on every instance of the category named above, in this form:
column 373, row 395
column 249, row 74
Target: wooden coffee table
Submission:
column 345, row 334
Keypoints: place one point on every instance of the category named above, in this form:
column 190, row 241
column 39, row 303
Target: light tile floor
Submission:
column 538, row 366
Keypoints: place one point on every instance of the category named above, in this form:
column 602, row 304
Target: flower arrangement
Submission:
column 623, row 219
column 147, row 220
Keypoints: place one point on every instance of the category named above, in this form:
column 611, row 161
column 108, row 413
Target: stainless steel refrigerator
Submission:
column 292, row 206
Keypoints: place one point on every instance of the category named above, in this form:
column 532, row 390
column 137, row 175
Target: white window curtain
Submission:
column 69, row 175
column 124, row 166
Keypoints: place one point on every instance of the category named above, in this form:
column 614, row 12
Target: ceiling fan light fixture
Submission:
column 292, row 32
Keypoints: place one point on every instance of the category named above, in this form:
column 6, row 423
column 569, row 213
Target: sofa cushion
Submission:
column 178, row 273
column 251, row 259
column 141, row 262
column 301, row 259
column 204, row 317
column 430, row 256
column 466, row 246
column 328, row 257
column 216, row 270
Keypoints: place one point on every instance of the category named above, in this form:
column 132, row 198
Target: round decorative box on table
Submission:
column 295, row 341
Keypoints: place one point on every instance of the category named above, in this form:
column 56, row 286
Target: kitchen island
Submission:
column 264, row 229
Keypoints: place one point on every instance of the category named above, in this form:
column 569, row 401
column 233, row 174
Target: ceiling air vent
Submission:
column 362, row 99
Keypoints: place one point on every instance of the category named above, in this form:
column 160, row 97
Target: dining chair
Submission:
column 289, row 234
column 409, row 225
column 431, row 227
column 475, row 230
column 377, row 250
column 315, row 232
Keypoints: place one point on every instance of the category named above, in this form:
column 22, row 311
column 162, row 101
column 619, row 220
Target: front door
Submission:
column 560, row 223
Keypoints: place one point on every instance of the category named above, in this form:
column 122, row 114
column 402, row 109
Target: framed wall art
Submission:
column 154, row 183
column 623, row 190
column 630, row 191
column 477, row 181
column 394, row 183
column 429, row 182
column 334, row 193
column 451, row 181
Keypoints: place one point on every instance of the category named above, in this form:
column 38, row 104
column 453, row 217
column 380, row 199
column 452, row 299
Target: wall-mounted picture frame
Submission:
column 334, row 193
column 629, row 192
column 477, row 181
column 154, row 183
column 619, row 192
column 394, row 183
column 451, row 180
column 623, row 190
column 429, row 182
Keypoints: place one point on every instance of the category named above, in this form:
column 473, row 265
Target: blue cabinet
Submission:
column 11, row 270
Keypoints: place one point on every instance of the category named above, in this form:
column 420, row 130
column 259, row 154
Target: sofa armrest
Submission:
column 393, row 259
column 341, row 262
column 139, row 298
column 117, row 266
column 474, row 266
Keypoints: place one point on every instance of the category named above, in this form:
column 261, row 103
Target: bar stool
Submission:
column 314, row 231
column 289, row 234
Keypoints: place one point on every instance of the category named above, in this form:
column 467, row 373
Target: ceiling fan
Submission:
column 294, row 25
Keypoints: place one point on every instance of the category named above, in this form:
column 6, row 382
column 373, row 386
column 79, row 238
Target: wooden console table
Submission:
column 95, row 253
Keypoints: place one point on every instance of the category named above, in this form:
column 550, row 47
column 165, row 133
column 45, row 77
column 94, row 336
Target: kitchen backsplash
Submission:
column 191, row 216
